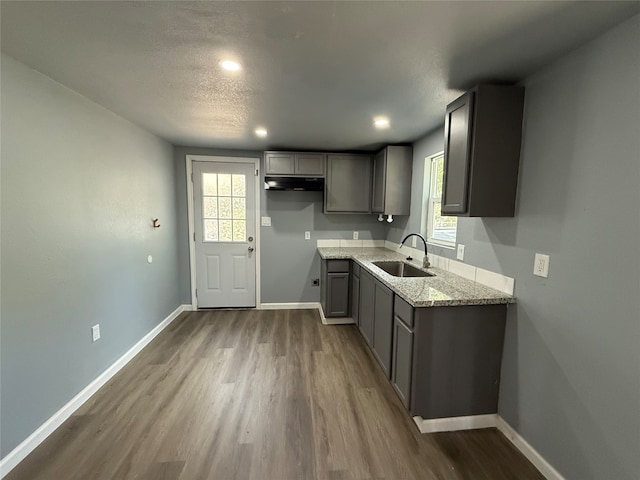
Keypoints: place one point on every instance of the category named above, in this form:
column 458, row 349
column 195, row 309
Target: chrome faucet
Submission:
column 425, row 260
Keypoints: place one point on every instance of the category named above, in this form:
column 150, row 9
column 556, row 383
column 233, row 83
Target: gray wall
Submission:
column 79, row 186
column 571, row 365
column 288, row 261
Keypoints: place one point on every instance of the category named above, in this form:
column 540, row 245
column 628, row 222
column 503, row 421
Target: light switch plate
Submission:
column 541, row 265
column 266, row 221
column 307, row 235
column 460, row 253
column 355, row 235
column 95, row 332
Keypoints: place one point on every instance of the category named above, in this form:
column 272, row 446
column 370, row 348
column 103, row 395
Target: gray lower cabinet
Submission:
column 348, row 184
column 334, row 290
column 355, row 292
column 367, row 301
column 457, row 354
column 376, row 318
column 383, row 326
column 402, row 360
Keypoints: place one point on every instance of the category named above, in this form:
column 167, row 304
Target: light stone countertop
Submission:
column 444, row 289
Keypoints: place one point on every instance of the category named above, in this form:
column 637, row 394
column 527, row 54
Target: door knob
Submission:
column 250, row 249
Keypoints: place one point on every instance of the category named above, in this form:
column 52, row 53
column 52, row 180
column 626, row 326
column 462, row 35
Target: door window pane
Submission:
column 210, row 207
column 210, row 183
column 239, row 186
column 224, row 184
column 225, row 207
column 226, row 233
column 239, row 230
column 239, row 209
column 211, row 230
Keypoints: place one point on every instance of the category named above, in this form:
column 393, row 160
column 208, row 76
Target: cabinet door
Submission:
column 337, row 295
column 367, row 295
column 309, row 164
column 355, row 298
column 379, row 182
column 457, row 155
column 348, row 185
column 383, row 326
column 402, row 361
column 278, row 163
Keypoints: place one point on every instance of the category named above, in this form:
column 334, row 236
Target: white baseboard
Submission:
column 18, row 454
column 527, row 450
column 334, row 320
column 451, row 424
column 289, row 306
column 337, row 320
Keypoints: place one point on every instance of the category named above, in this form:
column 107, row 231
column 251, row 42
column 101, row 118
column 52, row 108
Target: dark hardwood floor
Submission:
column 270, row 395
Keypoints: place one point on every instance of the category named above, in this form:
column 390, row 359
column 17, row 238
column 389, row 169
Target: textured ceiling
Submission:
column 314, row 73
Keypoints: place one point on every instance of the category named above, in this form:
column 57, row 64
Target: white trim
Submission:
column 527, row 450
column 190, row 215
column 337, row 320
column 494, row 420
column 18, row 454
column 289, row 306
column 334, row 320
column 452, row 424
column 441, row 244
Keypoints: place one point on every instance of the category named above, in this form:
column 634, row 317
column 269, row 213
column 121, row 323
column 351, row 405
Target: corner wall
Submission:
column 79, row 189
column 571, row 366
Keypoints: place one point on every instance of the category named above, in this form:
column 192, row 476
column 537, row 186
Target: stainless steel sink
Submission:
column 401, row 269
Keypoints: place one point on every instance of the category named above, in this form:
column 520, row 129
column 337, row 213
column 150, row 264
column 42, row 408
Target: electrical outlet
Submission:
column 316, row 282
column 460, row 254
column 307, row 235
column 95, row 332
column 355, row 235
column 266, row 221
column 541, row 265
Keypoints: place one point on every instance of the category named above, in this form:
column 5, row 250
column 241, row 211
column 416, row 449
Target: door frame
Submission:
column 191, row 216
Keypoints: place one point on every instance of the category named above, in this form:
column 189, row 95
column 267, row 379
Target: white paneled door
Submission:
column 224, row 213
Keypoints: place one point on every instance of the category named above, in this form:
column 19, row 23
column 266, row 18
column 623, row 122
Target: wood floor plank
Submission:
column 265, row 395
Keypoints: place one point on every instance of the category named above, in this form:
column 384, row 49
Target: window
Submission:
column 224, row 207
column 440, row 230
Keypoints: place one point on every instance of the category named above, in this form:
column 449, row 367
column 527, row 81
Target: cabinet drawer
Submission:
column 403, row 310
column 338, row 266
column 356, row 269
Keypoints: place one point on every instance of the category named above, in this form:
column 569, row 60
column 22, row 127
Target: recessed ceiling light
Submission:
column 230, row 65
column 261, row 132
column 381, row 122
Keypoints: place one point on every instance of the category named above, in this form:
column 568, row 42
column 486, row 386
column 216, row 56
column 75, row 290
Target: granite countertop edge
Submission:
column 443, row 289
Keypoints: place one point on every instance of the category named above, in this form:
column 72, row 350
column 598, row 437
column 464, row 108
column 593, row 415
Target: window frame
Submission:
column 432, row 200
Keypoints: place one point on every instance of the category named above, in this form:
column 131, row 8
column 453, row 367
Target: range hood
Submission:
column 311, row 184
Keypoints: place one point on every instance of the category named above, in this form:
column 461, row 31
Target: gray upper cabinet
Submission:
column 309, row 164
column 392, row 172
column 348, row 184
column 295, row 164
column 483, row 129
